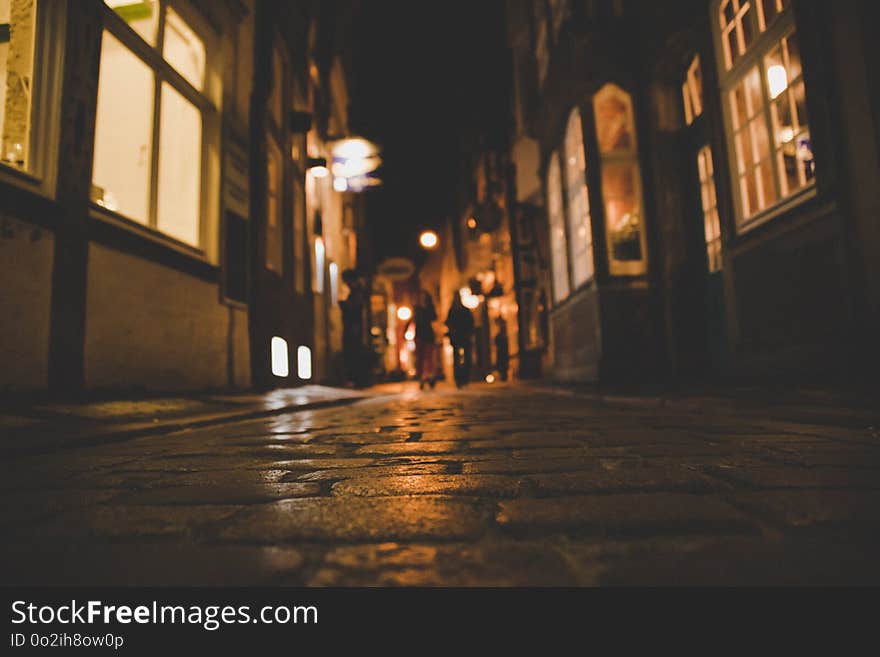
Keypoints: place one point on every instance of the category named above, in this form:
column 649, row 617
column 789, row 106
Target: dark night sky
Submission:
column 427, row 75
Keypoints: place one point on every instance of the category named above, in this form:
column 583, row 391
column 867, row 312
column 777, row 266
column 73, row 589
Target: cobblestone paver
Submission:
column 489, row 486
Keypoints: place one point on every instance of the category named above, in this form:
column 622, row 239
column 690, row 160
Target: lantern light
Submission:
column 428, row 239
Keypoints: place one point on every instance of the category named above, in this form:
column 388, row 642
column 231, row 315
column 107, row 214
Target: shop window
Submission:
column 580, row 229
column 621, row 182
column 765, row 105
column 30, row 46
column 556, row 219
column 692, row 91
column 277, row 91
column 274, row 239
column 149, row 133
column 711, row 223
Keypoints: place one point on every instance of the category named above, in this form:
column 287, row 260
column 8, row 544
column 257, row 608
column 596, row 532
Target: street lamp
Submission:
column 428, row 239
column 404, row 313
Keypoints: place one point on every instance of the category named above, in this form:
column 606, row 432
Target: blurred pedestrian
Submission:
column 460, row 322
column 424, row 316
column 353, row 347
column 502, row 349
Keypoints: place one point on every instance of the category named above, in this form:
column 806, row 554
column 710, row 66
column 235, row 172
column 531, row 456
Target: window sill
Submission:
column 103, row 214
column 23, row 180
column 118, row 232
column 781, row 208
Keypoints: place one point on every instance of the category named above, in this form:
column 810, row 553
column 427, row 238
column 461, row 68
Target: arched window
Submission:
column 580, row 229
column 556, row 218
column 621, row 182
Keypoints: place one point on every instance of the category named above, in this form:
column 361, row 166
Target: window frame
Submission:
column 783, row 25
column 558, row 273
column 45, row 111
column 206, row 102
column 632, row 158
column 575, row 119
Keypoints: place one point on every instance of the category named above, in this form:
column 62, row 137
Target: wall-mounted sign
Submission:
column 397, row 269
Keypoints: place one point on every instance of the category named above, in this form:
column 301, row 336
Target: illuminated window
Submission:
column 17, row 26
column 280, row 360
column 711, row 224
column 30, row 35
column 692, row 91
column 556, row 218
column 274, row 241
column 621, row 182
column 580, row 231
column 304, row 363
column 320, row 255
column 151, row 171
column 765, row 105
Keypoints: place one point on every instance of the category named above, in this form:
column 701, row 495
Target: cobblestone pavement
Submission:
column 490, row 486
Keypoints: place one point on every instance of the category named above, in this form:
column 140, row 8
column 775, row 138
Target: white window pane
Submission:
column 184, row 50
column 16, row 73
column 579, row 225
column 141, row 15
column 180, row 167
column 123, row 132
column 556, row 217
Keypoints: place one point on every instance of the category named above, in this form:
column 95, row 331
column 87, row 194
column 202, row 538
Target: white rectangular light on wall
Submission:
column 304, row 362
column 334, row 282
column 280, row 366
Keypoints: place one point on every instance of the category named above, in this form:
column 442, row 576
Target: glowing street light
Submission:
column 428, row 239
column 469, row 300
column 404, row 313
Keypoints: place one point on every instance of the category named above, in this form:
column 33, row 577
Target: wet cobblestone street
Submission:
column 490, row 486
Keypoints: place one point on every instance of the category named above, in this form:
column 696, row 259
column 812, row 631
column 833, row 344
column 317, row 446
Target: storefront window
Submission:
column 580, row 229
column 146, row 170
column 765, row 103
column 621, row 181
column 556, row 218
column 17, row 28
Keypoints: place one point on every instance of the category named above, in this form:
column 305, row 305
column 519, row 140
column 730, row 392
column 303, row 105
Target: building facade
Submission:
column 157, row 232
column 705, row 173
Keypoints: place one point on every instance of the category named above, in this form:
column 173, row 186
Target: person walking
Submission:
column 502, row 349
column 424, row 316
column 353, row 306
column 460, row 322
